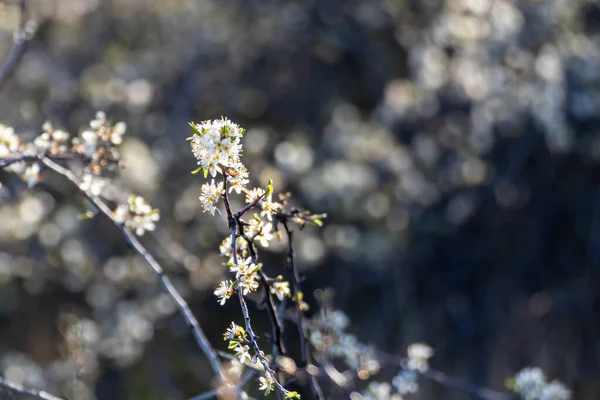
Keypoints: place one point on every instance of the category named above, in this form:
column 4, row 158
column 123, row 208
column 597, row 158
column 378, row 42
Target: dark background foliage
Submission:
column 453, row 144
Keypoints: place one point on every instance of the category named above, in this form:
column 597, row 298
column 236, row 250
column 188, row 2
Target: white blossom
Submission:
column 555, row 391
column 52, row 141
column 137, row 215
column 210, row 193
column 248, row 283
column 266, row 383
column 31, row 175
column 224, row 291
column 418, row 356
column 237, row 177
column 242, row 353
column 406, row 382
column 281, row 289
column 217, row 143
column 529, row 382
column 9, row 141
column 241, row 247
column 92, row 184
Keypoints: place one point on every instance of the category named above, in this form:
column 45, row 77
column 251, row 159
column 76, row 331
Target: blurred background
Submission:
column 454, row 145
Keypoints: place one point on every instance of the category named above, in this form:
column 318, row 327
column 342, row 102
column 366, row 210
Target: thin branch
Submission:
column 19, row 46
column 277, row 327
column 166, row 283
column 473, row 390
column 206, row 395
column 275, row 324
column 18, row 388
column 5, row 162
column 449, row 381
column 304, row 350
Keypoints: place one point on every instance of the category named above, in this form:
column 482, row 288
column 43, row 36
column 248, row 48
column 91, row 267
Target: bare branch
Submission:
column 19, row 47
column 304, row 350
column 207, row 395
column 473, row 390
column 5, row 162
column 18, row 388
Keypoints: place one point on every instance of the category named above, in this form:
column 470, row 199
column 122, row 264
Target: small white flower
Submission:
column 210, row 194
column 116, row 136
column 335, row 321
column 224, row 291
column 238, row 178
column 137, row 215
column 234, row 332
column 254, row 194
column 242, row 353
column 281, row 289
column 241, row 247
column 269, row 208
column 529, row 381
column 380, row 391
column 92, row 184
column 243, row 267
column 9, row 141
column 555, row 391
column 406, row 382
column 418, row 356
column 31, row 175
column 260, row 231
column 266, row 383
column 248, row 283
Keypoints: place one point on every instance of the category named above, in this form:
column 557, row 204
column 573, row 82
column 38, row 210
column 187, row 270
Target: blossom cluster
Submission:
column 405, row 382
column 97, row 144
column 328, row 336
column 96, row 147
column 217, row 147
column 137, row 215
column 9, row 141
column 530, row 383
column 240, row 344
column 52, row 141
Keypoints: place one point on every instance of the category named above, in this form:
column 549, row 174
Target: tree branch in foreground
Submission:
column 19, row 47
column 18, row 388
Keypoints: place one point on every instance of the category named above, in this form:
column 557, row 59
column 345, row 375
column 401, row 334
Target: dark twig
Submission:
column 207, row 395
column 18, row 388
column 19, row 47
column 5, row 162
column 473, row 390
column 296, row 290
column 277, row 327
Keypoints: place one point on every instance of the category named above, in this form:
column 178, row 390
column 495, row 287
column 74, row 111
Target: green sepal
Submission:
column 195, row 129
column 197, row 171
column 269, row 189
column 510, row 383
column 232, row 344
